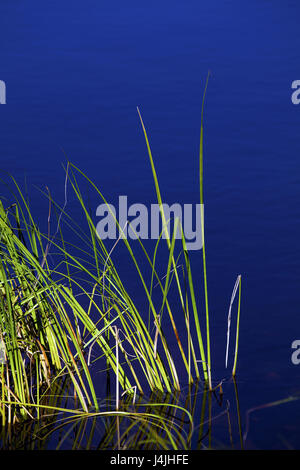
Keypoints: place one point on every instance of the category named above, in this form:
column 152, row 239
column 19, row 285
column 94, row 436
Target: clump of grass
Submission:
column 53, row 315
column 38, row 337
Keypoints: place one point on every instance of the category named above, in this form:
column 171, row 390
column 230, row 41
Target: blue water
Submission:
column 75, row 73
